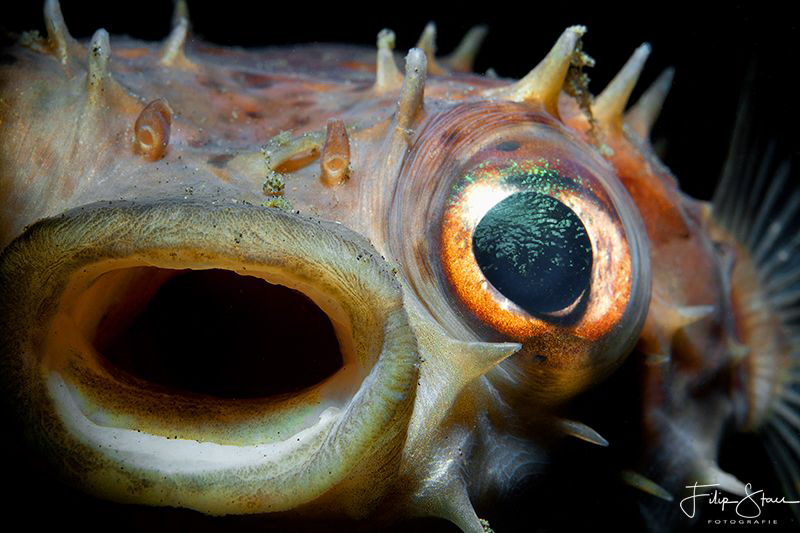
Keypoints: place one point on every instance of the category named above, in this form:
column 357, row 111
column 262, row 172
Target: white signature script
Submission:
column 748, row 507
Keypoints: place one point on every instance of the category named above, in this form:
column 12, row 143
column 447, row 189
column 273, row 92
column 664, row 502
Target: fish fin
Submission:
column 757, row 203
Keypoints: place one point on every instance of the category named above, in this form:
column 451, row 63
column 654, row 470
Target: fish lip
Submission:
column 39, row 270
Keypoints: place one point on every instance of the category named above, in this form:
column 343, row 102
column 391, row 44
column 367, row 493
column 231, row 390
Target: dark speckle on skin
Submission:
column 507, row 146
column 252, row 80
column 298, row 121
column 220, row 160
column 210, row 83
column 450, row 136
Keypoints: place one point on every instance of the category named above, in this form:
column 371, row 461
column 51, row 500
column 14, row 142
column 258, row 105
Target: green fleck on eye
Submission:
column 535, row 251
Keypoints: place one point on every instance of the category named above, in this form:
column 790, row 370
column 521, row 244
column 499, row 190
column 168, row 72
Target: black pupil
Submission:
column 535, row 251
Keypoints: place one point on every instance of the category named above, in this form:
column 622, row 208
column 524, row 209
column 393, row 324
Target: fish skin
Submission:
column 35, row 215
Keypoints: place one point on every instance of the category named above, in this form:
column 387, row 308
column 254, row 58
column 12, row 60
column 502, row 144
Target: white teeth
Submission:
column 610, row 104
column 644, row 113
column 387, row 75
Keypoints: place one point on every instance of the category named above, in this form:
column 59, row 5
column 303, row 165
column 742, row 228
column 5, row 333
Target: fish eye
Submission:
column 535, row 251
column 527, row 245
column 537, row 239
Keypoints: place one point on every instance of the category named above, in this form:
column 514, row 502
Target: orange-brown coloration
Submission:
column 611, row 288
column 449, row 393
column 335, row 161
column 297, row 161
column 152, row 129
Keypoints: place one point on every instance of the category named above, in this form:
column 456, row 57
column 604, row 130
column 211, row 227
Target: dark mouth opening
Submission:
column 216, row 333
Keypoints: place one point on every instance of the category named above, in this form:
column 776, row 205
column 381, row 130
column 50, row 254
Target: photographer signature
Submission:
column 748, row 507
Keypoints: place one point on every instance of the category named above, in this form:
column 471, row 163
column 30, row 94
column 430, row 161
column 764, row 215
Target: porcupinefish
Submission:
column 311, row 284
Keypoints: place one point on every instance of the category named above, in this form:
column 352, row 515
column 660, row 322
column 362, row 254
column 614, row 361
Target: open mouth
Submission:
column 227, row 360
column 213, row 332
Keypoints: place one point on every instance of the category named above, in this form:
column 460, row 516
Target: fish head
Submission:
column 428, row 268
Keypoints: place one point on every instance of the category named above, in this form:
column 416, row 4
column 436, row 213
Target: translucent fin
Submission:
column 758, row 203
column 782, row 448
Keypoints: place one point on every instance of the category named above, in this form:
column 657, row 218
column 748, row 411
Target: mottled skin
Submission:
column 468, row 404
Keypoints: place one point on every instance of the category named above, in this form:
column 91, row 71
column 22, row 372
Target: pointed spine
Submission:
column 99, row 53
column 481, row 357
column 462, row 58
column 681, row 316
column 412, row 93
column 172, row 53
column 427, row 43
column 610, row 104
column 581, row 431
column 58, row 36
column 387, row 75
column 657, row 359
column 711, row 473
column 543, row 84
column 644, row 113
column 638, row 481
column 181, row 12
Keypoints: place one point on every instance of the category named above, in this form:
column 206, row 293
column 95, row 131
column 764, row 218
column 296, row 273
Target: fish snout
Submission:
column 228, row 360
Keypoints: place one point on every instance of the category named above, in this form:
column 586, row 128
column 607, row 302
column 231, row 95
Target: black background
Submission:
column 712, row 52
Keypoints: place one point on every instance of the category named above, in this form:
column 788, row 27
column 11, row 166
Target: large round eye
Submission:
column 535, row 251
column 529, row 245
column 533, row 239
